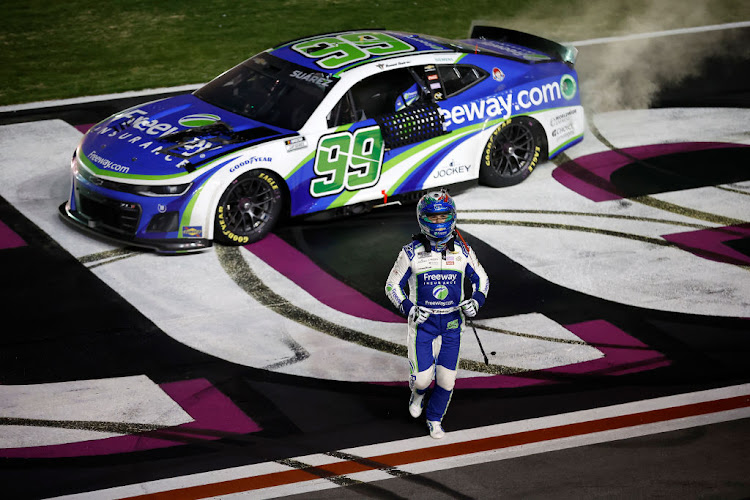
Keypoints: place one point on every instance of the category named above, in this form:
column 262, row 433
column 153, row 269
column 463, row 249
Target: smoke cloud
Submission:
column 629, row 74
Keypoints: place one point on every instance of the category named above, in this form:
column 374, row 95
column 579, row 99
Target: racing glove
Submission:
column 470, row 307
column 418, row 315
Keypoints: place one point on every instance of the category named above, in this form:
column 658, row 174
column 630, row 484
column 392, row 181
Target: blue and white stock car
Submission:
column 337, row 121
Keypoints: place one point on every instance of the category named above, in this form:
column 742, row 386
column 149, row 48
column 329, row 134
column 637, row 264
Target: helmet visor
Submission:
column 437, row 217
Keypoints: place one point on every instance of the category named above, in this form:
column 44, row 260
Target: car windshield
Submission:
column 269, row 90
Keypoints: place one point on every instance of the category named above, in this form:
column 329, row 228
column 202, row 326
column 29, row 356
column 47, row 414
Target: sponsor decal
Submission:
column 438, row 303
column 397, row 64
column 251, row 161
column 498, row 75
column 193, row 231
column 565, row 130
column 562, row 124
column 452, row 325
column 198, row 120
column 563, row 118
column 137, row 119
column 433, row 277
column 440, row 292
column 407, row 98
column 107, row 165
column 503, row 105
column 138, row 128
column 451, row 169
column 568, row 86
column 295, row 143
column 319, row 79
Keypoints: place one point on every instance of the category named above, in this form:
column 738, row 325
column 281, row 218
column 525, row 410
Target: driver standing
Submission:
column 433, row 267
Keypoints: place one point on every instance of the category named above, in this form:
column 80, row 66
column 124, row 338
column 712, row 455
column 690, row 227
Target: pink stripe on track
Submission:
column 299, row 268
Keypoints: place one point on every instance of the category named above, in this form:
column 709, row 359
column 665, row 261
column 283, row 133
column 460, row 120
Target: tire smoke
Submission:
column 628, row 74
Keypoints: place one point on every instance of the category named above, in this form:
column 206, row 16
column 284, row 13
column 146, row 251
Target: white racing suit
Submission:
column 435, row 281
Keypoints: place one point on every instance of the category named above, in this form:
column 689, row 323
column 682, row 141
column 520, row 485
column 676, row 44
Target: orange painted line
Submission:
column 450, row 450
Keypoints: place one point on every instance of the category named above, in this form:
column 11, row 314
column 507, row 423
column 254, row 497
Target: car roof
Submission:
column 377, row 40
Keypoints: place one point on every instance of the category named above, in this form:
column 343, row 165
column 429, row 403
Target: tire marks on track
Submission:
column 108, row 257
column 655, row 202
column 237, row 268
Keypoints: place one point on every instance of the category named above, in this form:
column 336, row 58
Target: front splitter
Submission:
column 168, row 246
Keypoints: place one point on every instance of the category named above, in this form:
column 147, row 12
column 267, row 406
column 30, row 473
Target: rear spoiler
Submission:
column 556, row 51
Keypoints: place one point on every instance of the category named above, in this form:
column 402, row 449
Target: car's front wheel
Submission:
column 513, row 150
column 248, row 209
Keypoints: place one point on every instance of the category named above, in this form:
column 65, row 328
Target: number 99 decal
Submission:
column 337, row 51
column 347, row 161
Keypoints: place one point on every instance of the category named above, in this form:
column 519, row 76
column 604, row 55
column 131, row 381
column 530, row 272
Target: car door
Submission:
column 373, row 123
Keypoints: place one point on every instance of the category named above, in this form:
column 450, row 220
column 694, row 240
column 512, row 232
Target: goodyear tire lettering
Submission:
column 267, row 208
column 516, row 147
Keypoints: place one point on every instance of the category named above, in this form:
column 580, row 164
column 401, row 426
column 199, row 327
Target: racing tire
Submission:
column 248, row 209
column 512, row 152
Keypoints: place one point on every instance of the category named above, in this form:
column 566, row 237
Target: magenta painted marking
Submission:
column 84, row 128
column 590, row 175
column 8, row 238
column 300, row 269
column 623, row 354
column 214, row 415
column 709, row 243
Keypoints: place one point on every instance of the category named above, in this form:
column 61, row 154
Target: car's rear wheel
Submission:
column 248, row 209
column 513, row 150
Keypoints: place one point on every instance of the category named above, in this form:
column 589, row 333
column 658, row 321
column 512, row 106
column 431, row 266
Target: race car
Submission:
column 346, row 121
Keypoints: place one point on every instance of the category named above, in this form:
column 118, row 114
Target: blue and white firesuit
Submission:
column 435, row 281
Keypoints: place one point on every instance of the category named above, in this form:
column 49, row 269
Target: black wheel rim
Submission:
column 248, row 205
column 512, row 150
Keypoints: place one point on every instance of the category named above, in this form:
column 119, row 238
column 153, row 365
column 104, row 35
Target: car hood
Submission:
column 169, row 138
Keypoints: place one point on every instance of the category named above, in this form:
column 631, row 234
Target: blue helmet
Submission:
column 434, row 203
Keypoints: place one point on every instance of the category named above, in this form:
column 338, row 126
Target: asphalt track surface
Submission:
column 125, row 373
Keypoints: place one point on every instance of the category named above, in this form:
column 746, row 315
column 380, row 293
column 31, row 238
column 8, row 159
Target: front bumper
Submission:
column 102, row 229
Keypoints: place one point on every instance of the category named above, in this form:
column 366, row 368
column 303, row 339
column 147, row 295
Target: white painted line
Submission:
column 104, row 97
column 44, row 412
column 460, row 448
column 657, row 34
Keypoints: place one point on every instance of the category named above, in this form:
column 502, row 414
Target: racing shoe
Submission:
column 436, row 429
column 416, row 403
